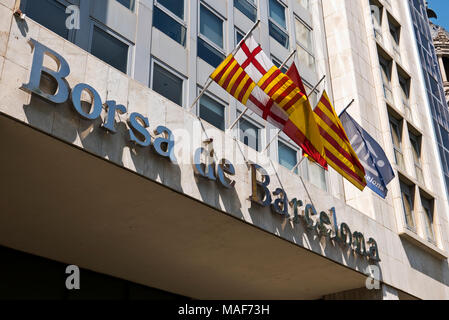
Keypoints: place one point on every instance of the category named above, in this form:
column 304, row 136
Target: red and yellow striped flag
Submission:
column 338, row 150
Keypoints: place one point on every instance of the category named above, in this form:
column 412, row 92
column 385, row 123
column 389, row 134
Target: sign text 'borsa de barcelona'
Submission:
column 322, row 223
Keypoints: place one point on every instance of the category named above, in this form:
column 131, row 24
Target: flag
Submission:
column 378, row 169
column 231, row 76
column 311, row 152
column 251, row 78
column 338, row 150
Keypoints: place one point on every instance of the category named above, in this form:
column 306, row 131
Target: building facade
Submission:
column 127, row 189
column 433, row 79
column 440, row 38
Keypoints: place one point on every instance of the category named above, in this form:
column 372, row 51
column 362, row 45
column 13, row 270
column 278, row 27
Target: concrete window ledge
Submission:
column 425, row 245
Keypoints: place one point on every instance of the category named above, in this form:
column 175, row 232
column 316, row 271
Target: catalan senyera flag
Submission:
column 339, row 153
column 256, row 82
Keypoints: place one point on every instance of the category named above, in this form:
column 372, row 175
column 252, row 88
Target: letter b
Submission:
column 62, row 92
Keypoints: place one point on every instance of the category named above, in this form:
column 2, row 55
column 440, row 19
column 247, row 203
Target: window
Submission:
column 385, row 69
column 167, row 84
column 407, row 195
column 416, row 150
column 127, row 3
column 405, row 94
column 278, row 63
column 247, row 7
column 317, row 175
column 396, row 135
column 395, row 37
column 49, row 13
column 210, row 39
column 109, row 49
column 212, row 112
column 304, row 44
column 427, row 206
column 238, row 36
column 249, row 134
column 376, row 15
column 288, row 157
column 168, row 17
column 278, row 23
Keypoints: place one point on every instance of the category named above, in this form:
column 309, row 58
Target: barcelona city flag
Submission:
column 251, row 78
column 338, row 150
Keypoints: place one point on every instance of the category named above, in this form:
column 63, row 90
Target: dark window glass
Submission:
column 211, row 26
column 49, row 13
column 278, row 34
column 209, row 53
column 287, row 156
column 249, row 134
column 277, row 13
column 167, row 84
column 169, row 26
column 278, row 64
column 127, row 3
column 239, row 36
column 212, row 112
column 110, row 49
column 246, row 8
column 175, row 6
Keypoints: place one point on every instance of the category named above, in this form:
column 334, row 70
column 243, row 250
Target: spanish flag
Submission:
column 338, row 150
column 308, row 147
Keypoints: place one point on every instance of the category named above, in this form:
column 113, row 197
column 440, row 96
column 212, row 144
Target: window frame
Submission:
column 94, row 23
column 133, row 9
column 259, row 127
column 281, row 28
column 182, row 22
column 170, row 70
column 431, row 210
column 411, row 195
column 205, row 38
column 211, row 96
column 253, row 4
column 236, row 31
column 171, row 14
column 312, row 38
column 416, row 140
column 398, row 124
column 299, row 170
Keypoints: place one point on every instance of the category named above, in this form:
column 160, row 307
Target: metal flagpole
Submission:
column 298, row 164
column 350, row 104
column 279, row 132
column 246, row 109
column 209, row 79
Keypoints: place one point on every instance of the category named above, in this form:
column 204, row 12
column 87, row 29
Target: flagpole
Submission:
column 298, row 164
column 246, row 108
column 344, row 110
column 209, row 79
column 279, row 132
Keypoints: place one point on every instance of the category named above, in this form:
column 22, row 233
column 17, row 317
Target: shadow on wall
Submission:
column 425, row 263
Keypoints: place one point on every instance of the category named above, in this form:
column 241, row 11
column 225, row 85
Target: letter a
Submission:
column 73, row 281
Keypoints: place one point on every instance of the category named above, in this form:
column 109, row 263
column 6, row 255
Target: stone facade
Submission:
column 409, row 263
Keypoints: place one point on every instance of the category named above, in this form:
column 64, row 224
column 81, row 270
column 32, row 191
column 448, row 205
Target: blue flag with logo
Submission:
column 377, row 167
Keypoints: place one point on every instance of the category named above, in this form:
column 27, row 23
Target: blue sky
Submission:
column 441, row 7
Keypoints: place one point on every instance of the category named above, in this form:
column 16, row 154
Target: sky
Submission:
column 441, row 7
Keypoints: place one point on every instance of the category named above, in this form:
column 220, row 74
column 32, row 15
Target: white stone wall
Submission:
column 400, row 265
